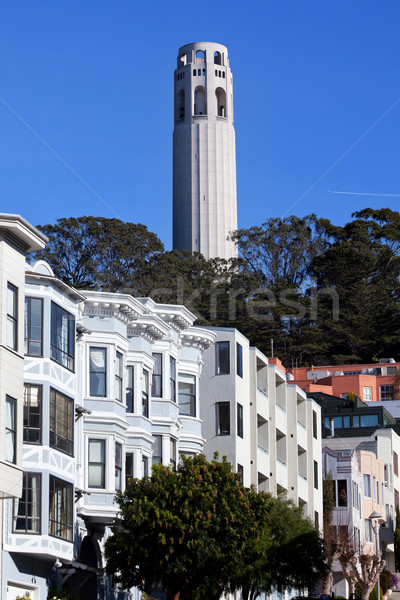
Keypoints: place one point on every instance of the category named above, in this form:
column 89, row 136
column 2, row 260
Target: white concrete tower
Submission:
column 204, row 161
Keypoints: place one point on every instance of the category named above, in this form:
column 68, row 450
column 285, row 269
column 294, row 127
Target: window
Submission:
column 396, row 499
column 187, row 394
column 34, row 326
column 118, row 466
column 367, row 485
column 172, row 378
column 128, row 468
column 315, row 474
column 32, row 414
column 156, row 384
column 367, row 393
column 129, row 390
column 369, row 420
column 11, row 429
column 342, row 492
column 62, row 337
column 239, row 360
column 145, row 393
column 240, row 473
column 316, row 519
column 368, row 530
column 395, row 463
column 387, row 392
column 315, row 424
column 157, row 449
column 27, row 508
column 97, row 464
column 61, row 422
column 223, row 365
column 240, row 420
column 98, row 371
column 118, row 376
column 12, row 316
column 61, row 509
column 145, row 466
column 223, row 418
column 172, row 452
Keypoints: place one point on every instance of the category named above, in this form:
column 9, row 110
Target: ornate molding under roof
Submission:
column 149, row 327
column 105, row 304
column 197, row 337
column 176, row 316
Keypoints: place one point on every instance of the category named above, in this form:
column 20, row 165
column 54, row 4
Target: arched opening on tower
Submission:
column 220, row 97
column 182, row 60
column 217, row 58
column 180, row 105
column 200, row 105
column 200, row 56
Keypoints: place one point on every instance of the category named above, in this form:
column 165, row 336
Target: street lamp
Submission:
column 375, row 529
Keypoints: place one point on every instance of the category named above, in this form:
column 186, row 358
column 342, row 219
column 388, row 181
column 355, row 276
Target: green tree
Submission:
column 100, row 253
column 198, row 533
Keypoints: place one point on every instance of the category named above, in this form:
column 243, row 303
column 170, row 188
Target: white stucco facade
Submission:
column 204, row 160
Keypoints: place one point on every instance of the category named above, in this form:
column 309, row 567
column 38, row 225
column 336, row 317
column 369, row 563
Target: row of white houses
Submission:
column 97, row 387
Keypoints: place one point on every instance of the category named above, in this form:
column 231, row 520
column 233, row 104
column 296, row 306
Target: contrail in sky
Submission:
column 364, row 194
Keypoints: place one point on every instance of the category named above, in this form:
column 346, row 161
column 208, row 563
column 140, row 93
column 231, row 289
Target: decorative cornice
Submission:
column 197, row 338
column 148, row 327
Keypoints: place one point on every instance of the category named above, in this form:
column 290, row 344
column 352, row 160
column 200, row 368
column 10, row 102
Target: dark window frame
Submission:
column 60, row 355
column 239, row 420
column 28, row 504
column 239, row 360
column 222, row 358
column 29, row 341
column 129, row 467
column 61, row 525
column 30, row 415
column 157, row 445
column 62, row 441
column 223, row 429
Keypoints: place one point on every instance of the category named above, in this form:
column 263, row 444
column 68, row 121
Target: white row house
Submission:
column 106, row 385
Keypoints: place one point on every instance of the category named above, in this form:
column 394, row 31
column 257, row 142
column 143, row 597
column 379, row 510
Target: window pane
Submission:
column 10, row 454
column 223, row 418
column 32, row 414
column 98, row 371
column 96, row 476
column 240, row 420
column 27, row 508
column 223, row 366
column 12, row 316
column 187, row 394
column 118, row 376
column 172, row 368
column 61, row 509
column 157, row 449
column 61, row 422
column 239, row 360
column 145, row 393
column 129, row 390
column 62, row 337
column 33, row 326
column 156, row 385
column 369, row 420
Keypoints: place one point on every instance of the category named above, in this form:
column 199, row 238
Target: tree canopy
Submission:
column 325, row 294
column 198, row 532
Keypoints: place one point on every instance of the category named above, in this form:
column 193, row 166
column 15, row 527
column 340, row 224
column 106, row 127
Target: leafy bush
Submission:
column 394, row 581
column 384, row 581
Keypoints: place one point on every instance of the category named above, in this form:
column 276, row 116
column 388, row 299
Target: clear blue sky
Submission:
column 94, row 80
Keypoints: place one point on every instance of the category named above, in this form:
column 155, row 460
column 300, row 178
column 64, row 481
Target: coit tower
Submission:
column 204, row 162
